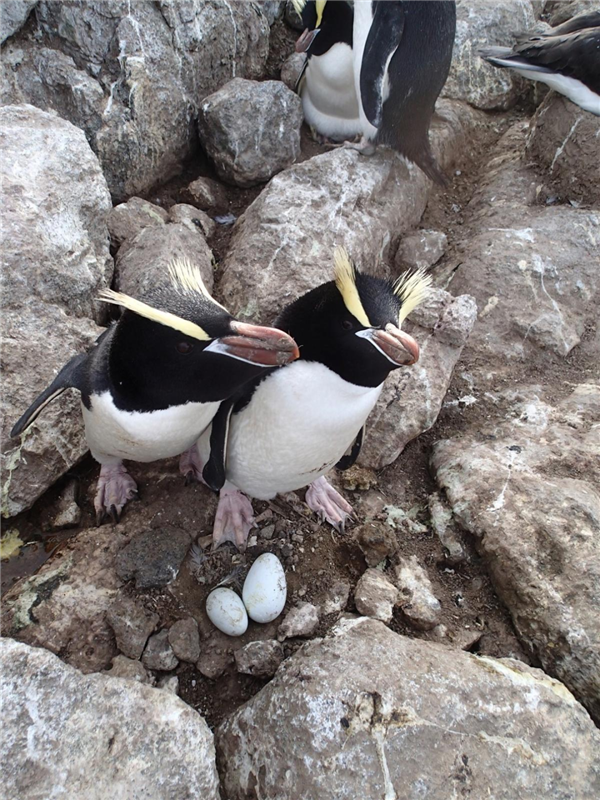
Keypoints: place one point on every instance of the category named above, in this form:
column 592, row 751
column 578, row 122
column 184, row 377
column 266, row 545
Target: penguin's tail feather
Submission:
column 505, row 57
column 426, row 161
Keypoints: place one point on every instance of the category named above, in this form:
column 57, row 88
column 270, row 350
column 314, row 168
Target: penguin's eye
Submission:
column 347, row 325
column 184, row 348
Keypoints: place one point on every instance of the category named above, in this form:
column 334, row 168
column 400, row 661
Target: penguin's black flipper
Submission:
column 71, row 376
column 349, row 459
column 382, row 41
column 214, row 469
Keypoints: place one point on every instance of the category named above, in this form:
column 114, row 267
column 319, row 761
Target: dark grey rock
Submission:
column 153, row 558
column 184, row 638
column 159, row 654
column 260, row 659
column 132, row 625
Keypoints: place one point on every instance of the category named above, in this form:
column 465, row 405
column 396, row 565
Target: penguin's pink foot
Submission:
column 322, row 498
column 191, row 465
column 364, row 147
column 234, row 518
column 115, row 488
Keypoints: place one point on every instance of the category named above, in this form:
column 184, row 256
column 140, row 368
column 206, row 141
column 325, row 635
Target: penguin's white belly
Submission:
column 299, row 423
column 113, row 434
column 328, row 93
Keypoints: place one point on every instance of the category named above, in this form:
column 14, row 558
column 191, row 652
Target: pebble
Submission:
column 169, row 683
column 419, row 605
column 376, row 541
column 65, row 512
column 213, row 664
column 132, row 625
column 130, row 669
column 184, row 638
column 337, row 598
column 260, row 659
column 302, row 620
column 375, row 596
column 268, row 532
column 159, row 653
column 443, row 525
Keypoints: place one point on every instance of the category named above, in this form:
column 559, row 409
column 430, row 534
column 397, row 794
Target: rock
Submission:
column 480, row 23
column 153, row 558
column 563, row 142
column 526, row 489
column 132, row 625
column 291, row 70
column 376, row 541
column 412, row 398
column 127, row 219
column 443, row 524
column 260, row 659
column 159, row 653
column 55, row 258
column 130, row 669
column 65, row 512
column 272, row 9
column 358, row 479
column 170, row 683
column 375, row 596
column 293, row 19
column 419, row 604
column 185, row 639
column 420, row 250
column 299, row 621
column 213, row 664
column 364, row 203
column 251, row 130
column 562, row 11
column 193, row 218
column 143, row 261
column 337, row 598
column 207, row 195
column 396, row 717
column 13, row 16
column 62, row 732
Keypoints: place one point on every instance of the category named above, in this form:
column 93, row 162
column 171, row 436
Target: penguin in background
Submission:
column 155, row 379
column 288, row 428
column 326, row 84
column 567, row 59
column 403, row 52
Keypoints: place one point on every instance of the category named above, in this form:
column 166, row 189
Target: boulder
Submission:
column 127, row 219
column 372, row 714
column 13, row 15
column 527, row 490
column 95, row 736
column 251, row 130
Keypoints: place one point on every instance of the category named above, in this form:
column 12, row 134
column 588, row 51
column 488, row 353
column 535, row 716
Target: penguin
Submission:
column 289, row 427
column 326, row 84
column 567, row 59
column 402, row 56
column 155, row 379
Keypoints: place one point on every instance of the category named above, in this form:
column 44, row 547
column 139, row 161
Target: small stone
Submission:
column 65, row 512
column 420, row 250
column 185, row 639
column 170, row 683
column 337, row 598
column 291, row 69
column 260, row 659
column 130, row 669
column 132, row 625
column 376, row 541
column 375, row 596
column 418, row 603
column 442, row 522
column 440, row 632
column 466, row 638
column 159, row 653
column 127, row 219
column 358, row 479
column 207, row 195
column 153, row 558
column 298, row 538
column 252, row 541
column 213, row 664
column 268, row 532
column 193, row 218
column 299, row 621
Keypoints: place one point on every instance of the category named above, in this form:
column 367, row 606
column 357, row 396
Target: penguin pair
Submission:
column 289, row 427
column 154, row 380
column 567, row 59
column 401, row 54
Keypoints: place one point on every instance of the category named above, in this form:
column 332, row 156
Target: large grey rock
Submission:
column 564, row 141
column 70, row 735
column 527, row 489
column 481, row 23
column 374, row 715
column 251, row 130
column 55, row 258
column 13, row 15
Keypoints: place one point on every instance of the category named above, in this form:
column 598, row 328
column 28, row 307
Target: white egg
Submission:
column 265, row 589
column 226, row 611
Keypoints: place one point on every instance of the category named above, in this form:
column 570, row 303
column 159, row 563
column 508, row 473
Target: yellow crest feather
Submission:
column 187, row 278
column 411, row 288
column 345, row 280
column 299, row 6
column 156, row 315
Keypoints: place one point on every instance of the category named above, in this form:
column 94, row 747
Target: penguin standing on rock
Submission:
column 402, row 56
column 288, row 428
column 567, row 59
column 155, row 379
column 326, row 84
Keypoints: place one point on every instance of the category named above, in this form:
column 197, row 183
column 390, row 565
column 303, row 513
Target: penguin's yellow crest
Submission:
column 411, row 289
column 345, row 280
column 319, row 6
column 187, row 278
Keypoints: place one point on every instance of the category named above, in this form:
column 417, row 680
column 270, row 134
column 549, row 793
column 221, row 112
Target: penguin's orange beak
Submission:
column 398, row 346
column 305, row 40
column 268, row 347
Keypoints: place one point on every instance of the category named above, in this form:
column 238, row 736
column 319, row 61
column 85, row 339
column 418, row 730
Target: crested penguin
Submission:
column 326, row 84
column 155, row 379
column 402, row 51
column 567, row 59
column 288, row 428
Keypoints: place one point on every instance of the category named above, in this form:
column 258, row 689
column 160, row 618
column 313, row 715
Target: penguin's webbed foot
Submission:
column 364, row 147
column 115, row 488
column 329, row 504
column 191, row 466
column 234, row 518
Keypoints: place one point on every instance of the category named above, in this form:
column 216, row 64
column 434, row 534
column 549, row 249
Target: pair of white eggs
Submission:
column 263, row 598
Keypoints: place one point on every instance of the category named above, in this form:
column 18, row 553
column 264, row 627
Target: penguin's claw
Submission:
column 191, row 466
column 234, row 519
column 115, row 488
column 329, row 504
column 364, row 147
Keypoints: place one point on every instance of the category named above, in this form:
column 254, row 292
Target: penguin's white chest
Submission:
column 299, row 423
column 114, row 435
column 328, row 93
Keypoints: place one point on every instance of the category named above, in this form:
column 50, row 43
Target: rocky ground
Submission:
column 448, row 644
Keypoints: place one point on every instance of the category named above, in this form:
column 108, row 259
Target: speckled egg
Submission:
column 226, row 611
column 265, row 589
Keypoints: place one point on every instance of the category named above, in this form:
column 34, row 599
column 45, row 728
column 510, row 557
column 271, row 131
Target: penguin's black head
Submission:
column 325, row 23
column 352, row 325
column 182, row 346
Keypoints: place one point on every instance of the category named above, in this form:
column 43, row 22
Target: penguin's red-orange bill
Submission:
column 397, row 345
column 267, row 347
